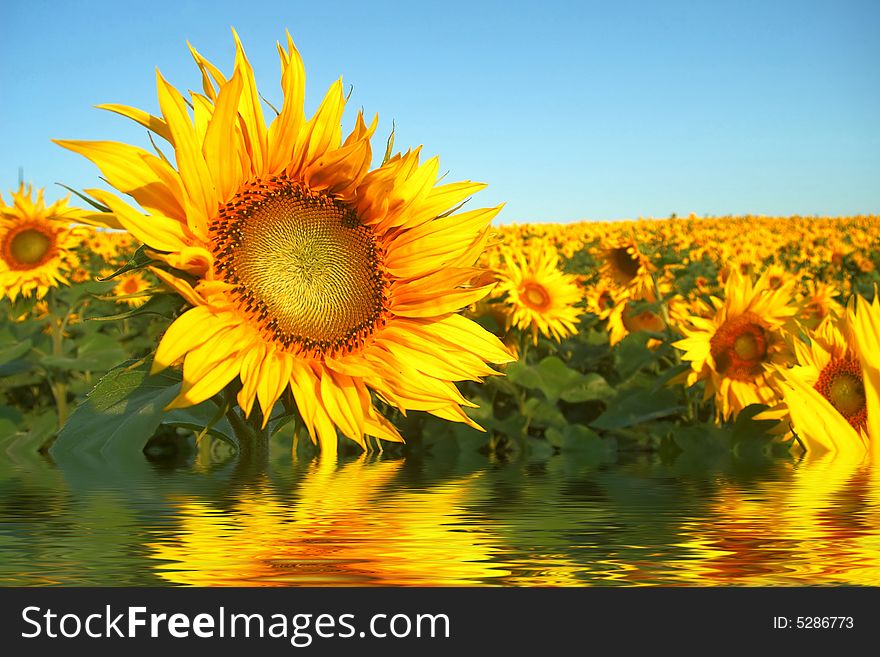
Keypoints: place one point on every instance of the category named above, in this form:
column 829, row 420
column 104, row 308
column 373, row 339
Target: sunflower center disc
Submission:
column 740, row 347
column 130, row 286
column 29, row 246
column 746, row 346
column 847, row 394
column 304, row 267
column 536, row 296
column 626, row 267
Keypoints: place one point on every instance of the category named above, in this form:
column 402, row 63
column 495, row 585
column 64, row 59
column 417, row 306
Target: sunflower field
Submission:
column 251, row 282
column 616, row 334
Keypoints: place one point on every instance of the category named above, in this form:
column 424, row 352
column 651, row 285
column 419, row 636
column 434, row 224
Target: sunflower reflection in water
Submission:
column 347, row 525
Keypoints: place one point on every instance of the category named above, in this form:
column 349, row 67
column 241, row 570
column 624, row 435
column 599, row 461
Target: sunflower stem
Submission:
column 57, row 386
column 242, row 431
column 664, row 313
column 676, row 357
column 253, row 445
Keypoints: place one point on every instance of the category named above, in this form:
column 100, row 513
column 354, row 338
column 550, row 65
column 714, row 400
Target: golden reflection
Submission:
column 816, row 527
column 365, row 523
column 342, row 526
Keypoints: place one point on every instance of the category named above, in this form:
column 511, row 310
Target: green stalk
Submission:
column 57, row 386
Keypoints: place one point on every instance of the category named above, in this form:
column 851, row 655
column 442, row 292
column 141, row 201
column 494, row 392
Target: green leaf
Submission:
column 90, row 201
column 523, row 375
column 32, row 433
column 10, row 420
column 556, row 376
column 121, row 414
column 543, row 414
column 632, row 354
column 593, row 386
column 559, row 381
column 196, row 418
column 14, row 352
column 635, row 406
column 577, row 437
column 23, row 304
column 707, row 439
column 77, row 291
column 96, row 353
column 747, row 428
column 164, row 305
column 139, row 260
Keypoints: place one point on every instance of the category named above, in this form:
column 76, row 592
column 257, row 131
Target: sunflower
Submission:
column 834, row 390
column 540, row 297
column 37, row 244
column 820, row 303
column 735, row 348
column 131, row 289
column 742, row 263
column 627, row 267
column 306, row 270
column 602, row 298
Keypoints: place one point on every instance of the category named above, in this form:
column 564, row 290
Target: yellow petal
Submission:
column 251, row 112
column 150, row 122
column 156, row 231
column 132, row 171
column 189, row 331
column 222, row 145
column 285, row 128
column 323, row 132
column 191, row 163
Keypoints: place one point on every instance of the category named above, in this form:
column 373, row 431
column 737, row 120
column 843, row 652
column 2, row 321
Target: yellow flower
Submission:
column 627, row 267
column 734, row 349
column 541, row 297
column 37, row 244
column 820, row 303
column 311, row 271
column 602, row 298
column 776, row 276
column 128, row 285
column 833, row 394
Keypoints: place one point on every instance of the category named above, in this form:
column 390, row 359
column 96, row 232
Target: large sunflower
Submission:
column 734, row 350
column 306, row 269
column 37, row 244
column 540, row 297
column 833, row 394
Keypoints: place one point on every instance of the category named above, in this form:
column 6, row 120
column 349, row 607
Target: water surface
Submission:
column 450, row 519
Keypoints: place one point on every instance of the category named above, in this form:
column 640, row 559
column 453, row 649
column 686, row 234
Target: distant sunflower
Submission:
column 37, row 244
column 601, row 298
column 541, row 298
column 627, row 267
column 820, row 303
column 628, row 317
column 310, row 271
column 131, row 289
column 833, row 394
column 735, row 348
column 776, row 276
column 742, row 263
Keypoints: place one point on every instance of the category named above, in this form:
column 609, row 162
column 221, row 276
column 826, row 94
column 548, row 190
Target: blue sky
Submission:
column 581, row 110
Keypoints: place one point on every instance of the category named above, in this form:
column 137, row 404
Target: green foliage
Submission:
column 580, row 395
column 139, row 260
column 633, row 407
column 558, row 381
column 121, row 413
